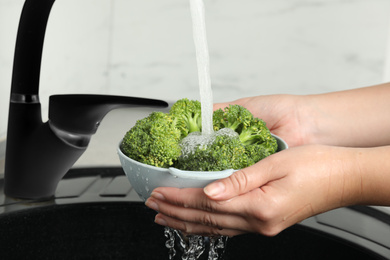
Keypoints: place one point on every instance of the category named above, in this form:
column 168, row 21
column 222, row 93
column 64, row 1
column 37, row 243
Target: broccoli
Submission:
column 174, row 139
column 259, row 151
column 252, row 142
column 234, row 117
column 222, row 151
column 187, row 116
column 153, row 140
column 251, row 130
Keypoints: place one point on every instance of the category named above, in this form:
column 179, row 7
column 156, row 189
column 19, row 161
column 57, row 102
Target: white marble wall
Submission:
column 145, row 48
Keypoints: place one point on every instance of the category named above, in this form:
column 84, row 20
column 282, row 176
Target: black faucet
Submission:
column 39, row 154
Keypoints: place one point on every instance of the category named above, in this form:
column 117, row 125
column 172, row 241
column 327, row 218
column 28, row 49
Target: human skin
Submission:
column 338, row 156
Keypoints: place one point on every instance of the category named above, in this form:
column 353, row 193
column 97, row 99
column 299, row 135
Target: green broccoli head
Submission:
column 187, row 116
column 251, row 142
column 221, row 151
column 164, row 140
column 153, row 140
column 256, row 132
column 235, row 117
column 251, row 130
column 259, row 151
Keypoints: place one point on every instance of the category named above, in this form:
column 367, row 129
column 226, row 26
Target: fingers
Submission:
column 190, row 220
column 239, row 215
column 192, row 205
column 190, row 211
column 243, row 181
column 192, row 199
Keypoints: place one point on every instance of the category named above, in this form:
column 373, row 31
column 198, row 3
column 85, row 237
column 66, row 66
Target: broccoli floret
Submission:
column 223, row 151
column 187, row 116
column 153, row 140
column 235, row 117
column 251, row 130
column 251, row 143
column 256, row 132
column 259, row 151
column 174, row 139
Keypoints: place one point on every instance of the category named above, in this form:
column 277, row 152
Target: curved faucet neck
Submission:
column 28, row 49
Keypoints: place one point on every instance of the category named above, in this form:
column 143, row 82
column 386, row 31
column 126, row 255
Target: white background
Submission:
column 145, row 48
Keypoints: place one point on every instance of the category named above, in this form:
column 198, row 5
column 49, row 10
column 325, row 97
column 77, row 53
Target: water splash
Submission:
column 194, row 140
column 197, row 140
column 217, row 244
column 194, row 247
column 170, row 243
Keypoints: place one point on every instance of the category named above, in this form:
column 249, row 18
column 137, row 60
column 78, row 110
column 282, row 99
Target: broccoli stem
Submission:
column 193, row 124
column 248, row 137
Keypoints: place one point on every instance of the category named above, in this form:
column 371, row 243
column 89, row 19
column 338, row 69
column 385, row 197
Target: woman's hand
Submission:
column 353, row 118
column 310, row 178
column 273, row 194
column 286, row 116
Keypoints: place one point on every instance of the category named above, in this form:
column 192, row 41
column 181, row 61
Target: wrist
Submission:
column 345, row 185
column 374, row 167
column 312, row 120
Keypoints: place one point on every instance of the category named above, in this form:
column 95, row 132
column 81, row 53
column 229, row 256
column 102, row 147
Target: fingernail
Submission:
column 151, row 204
column 157, row 195
column 160, row 221
column 214, row 189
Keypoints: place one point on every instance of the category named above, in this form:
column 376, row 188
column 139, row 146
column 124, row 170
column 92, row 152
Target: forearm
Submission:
column 359, row 117
column 374, row 167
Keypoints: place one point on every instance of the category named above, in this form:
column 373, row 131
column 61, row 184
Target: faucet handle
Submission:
column 82, row 114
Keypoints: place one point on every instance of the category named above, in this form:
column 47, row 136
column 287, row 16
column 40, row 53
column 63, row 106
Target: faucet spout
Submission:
column 28, row 49
column 38, row 154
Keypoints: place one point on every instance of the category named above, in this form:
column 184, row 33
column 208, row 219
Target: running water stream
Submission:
column 193, row 247
column 203, row 63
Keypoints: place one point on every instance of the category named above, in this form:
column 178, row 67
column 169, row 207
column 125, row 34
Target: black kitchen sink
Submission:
column 80, row 226
column 126, row 231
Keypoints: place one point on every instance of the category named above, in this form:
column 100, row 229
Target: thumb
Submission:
column 239, row 182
